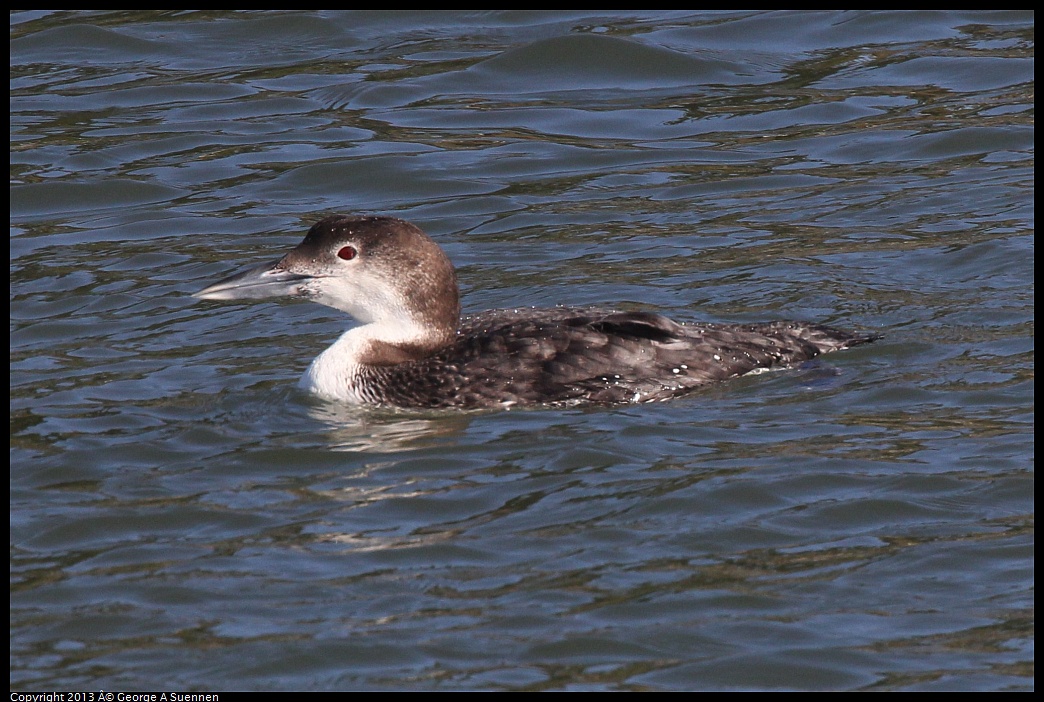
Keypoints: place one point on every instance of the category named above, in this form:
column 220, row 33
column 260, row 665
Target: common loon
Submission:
column 412, row 349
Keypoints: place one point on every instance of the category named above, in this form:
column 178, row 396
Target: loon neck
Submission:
column 391, row 343
column 336, row 372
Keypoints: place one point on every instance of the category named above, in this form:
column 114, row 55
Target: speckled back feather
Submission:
column 503, row 358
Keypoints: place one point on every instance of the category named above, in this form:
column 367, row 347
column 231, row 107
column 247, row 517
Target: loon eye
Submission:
column 347, row 253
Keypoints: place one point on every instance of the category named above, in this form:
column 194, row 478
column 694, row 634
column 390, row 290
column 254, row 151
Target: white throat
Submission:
column 336, row 373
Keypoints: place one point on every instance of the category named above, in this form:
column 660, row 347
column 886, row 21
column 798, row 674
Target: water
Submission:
column 183, row 518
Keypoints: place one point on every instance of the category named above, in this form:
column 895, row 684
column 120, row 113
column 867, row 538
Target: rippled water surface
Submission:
column 182, row 517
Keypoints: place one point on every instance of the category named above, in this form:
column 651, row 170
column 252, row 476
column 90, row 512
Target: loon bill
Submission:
column 412, row 349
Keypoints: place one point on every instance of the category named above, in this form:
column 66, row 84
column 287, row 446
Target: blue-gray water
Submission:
column 183, row 518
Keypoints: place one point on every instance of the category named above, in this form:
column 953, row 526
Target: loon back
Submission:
column 412, row 349
column 504, row 358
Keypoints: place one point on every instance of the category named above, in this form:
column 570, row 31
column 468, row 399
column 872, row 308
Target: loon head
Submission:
column 380, row 270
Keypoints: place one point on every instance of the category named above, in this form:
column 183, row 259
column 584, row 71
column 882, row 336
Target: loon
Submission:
column 413, row 349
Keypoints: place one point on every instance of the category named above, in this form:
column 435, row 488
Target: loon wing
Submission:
column 563, row 355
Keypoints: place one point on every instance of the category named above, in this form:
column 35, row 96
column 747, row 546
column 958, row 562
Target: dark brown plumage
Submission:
column 573, row 356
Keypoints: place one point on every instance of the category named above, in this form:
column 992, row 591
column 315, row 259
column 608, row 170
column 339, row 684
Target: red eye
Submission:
column 347, row 253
